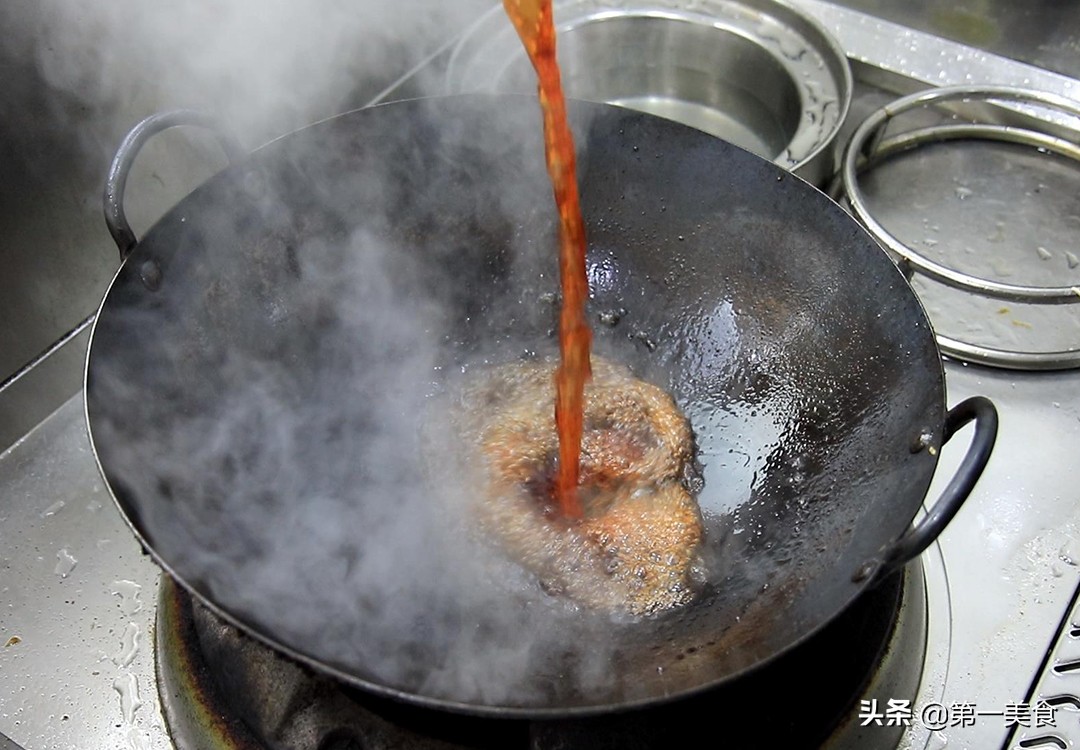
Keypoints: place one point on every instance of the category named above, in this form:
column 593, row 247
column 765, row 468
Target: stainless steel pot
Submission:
column 758, row 73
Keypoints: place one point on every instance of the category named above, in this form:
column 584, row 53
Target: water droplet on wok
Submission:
column 865, row 571
column 611, row 318
column 922, row 442
column 150, row 274
column 643, row 338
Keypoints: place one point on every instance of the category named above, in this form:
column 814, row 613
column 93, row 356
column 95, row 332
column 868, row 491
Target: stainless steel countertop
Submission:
column 1044, row 33
column 1011, row 553
column 78, row 595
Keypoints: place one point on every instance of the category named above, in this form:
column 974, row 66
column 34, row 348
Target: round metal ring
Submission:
column 869, row 146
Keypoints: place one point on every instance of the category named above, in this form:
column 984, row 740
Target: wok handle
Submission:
column 922, row 534
column 116, row 182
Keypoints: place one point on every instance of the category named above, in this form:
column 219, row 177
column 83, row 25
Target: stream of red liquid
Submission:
column 533, row 21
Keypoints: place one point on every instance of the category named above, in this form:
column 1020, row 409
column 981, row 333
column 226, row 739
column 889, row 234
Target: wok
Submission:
column 265, row 373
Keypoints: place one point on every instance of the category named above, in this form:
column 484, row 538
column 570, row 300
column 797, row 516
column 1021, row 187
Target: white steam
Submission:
column 329, row 506
column 272, row 404
column 272, row 415
column 264, row 66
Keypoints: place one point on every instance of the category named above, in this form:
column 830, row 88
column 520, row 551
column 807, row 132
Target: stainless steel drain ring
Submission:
column 869, row 146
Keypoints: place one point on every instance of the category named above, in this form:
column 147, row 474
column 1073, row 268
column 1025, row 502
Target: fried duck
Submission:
column 636, row 548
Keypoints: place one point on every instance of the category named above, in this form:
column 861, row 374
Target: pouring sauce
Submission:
column 534, row 24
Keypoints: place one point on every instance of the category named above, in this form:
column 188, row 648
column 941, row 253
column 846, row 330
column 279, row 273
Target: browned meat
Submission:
column 637, row 546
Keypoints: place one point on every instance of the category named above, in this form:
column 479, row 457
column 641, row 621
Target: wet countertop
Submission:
column 1045, row 33
column 77, row 601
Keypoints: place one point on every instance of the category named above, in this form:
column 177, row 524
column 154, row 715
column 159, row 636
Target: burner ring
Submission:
column 869, row 147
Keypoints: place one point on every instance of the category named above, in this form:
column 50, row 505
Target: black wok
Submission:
column 267, row 367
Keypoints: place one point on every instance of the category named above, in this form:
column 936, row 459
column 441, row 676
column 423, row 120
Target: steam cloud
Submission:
column 274, row 414
column 322, row 502
column 265, row 66
column 348, row 554
column 309, row 480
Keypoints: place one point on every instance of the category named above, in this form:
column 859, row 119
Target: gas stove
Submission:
column 208, row 669
column 974, row 646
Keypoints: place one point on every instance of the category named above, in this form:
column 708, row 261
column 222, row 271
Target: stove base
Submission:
column 210, row 674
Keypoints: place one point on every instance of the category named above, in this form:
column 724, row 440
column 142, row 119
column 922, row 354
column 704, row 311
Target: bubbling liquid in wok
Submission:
column 636, row 548
column 592, row 502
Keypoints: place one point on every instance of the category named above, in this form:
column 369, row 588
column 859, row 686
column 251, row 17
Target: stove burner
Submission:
column 222, row 689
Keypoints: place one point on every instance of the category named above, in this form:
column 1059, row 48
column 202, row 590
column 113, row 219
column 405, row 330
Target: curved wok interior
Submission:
column 269, row 418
